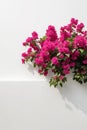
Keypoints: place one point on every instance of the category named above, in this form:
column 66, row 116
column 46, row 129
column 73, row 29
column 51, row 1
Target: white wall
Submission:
column 34, row 105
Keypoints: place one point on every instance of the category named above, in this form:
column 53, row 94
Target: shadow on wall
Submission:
column 30, row 68
column 74, row 93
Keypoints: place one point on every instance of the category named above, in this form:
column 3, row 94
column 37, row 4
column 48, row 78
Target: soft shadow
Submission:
column 31, row 68
column 74, row 93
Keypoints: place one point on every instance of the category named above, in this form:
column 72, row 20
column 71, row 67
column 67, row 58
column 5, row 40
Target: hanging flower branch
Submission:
column 59, row 54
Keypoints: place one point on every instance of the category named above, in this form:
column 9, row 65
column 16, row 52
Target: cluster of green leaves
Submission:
column 81, row 78
column 80, row 69
column 56, row 81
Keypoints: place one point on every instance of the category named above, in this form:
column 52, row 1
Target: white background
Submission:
column 34, row 105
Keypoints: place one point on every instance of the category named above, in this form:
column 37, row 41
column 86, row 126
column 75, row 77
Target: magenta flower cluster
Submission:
column 61, row 54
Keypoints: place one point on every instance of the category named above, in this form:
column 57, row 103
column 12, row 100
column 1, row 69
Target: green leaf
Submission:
column 85, row 79
column 34, row 64
column 61, row 84
column 43, row 38
column 81, row 50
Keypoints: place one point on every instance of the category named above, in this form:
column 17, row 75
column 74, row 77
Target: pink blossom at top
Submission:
column 80, row 41
column 64, row 34
column 29, row 39
column 68, row 28
column 51, row 33
column 34, row 35
column 74, row 21
column 80, row 27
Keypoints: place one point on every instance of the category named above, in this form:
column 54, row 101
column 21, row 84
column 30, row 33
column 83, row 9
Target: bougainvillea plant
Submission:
column 60, row 54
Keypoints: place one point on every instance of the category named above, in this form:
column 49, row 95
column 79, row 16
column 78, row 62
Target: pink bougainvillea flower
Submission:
column 80, row 27
column 45, row 73
column 61, row 56
column 66, row 66
column 66, row 71
column 29, row 39
column 29, row 50
column 40, row 71
column 59, row 53
column 85, row 61
column 75, row 55
column 55, row 60
column 61, row 77
column 64, row 34
column 34, row 35
column 24, row 43
column 80, row 41
column 51, row 33
column 23, row 61
column 24, row 54
column 72, row 64
column 39, row 61
column 74, row 21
